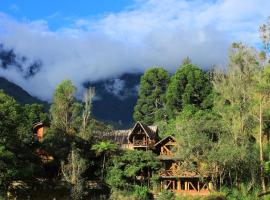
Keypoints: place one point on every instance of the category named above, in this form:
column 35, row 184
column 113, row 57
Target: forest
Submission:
column 219, row 116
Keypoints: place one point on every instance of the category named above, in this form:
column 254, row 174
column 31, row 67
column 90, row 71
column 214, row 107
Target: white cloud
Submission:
column 116, row 87
column 152, row 32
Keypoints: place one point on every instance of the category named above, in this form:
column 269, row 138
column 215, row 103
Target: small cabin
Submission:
column 39, row 130
column 143, row 136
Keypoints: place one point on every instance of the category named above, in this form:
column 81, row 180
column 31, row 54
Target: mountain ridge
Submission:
column 114, row 104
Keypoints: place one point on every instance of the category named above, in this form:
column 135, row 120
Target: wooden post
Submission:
column 178, row 184
column 198, row 186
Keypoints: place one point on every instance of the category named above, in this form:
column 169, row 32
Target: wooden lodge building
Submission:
column 143, row 137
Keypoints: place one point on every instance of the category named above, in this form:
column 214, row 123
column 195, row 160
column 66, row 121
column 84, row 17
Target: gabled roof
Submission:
column 165, row 139
column 150, row 131
column 37, row 125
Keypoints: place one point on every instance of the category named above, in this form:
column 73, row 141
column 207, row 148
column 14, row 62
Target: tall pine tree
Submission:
column 188, row 86
column 150, row 106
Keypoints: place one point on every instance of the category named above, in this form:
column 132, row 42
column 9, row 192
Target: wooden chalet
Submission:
column 141, row 137
column 172, row 177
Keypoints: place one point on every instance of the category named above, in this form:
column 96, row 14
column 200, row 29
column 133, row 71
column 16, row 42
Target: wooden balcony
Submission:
column 140, row 143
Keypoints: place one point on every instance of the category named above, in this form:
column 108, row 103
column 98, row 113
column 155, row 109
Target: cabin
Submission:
column 142, row 136
column 172, row 177
column 39, row 130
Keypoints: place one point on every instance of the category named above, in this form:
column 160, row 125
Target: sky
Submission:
column 91, row 40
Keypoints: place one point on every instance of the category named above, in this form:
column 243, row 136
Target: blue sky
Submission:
column 59, row 12
column 90, row 40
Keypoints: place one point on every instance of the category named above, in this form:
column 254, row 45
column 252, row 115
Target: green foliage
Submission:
column 104, row 146
column 166, row 195
column 123, row 195
column 141, row 192
column 150, row 106
column 242, row 192
column 17, row 145
column 126, row 166
column 188, row 86
column 72, row 172
column 65, row 110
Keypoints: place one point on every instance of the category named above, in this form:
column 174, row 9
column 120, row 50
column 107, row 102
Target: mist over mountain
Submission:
column 9, row 59
column 114, row 102
column 115, row 97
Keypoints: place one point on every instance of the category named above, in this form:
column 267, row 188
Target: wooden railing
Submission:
column 140, row 143
column 164, row 173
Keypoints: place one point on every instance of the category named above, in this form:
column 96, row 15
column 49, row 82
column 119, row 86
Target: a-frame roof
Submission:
column 164, row 140
column 150, row 131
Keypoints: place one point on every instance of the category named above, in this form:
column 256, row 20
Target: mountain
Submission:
column 116, row 99
column 114, row 102
column 19, row 94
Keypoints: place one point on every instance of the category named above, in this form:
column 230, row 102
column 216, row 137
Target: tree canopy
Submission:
column 189, row 85
column 150, row 106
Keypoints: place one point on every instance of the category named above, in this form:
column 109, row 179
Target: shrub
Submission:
column 141, row 192
column 165, row 195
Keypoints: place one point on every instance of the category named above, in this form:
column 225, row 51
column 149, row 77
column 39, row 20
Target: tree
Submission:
column 105, row 148
column 206, row 146
column 243, row 96
column 262, row 93
column 17, row 154
column 235, row 88
column 150, row 106
column 64, row 109
column 72, row 173
column 86, row 113
column 128, row 165
column 9, row 114
column 188, row 86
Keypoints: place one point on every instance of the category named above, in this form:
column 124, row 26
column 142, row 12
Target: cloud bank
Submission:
column 150, row 33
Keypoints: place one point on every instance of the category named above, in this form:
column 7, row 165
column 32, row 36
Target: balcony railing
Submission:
column 140, row 143
column 165, row 173
column 166, row 153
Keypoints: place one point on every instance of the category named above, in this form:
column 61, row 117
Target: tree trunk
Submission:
column 261, row 148
column 103, row 166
